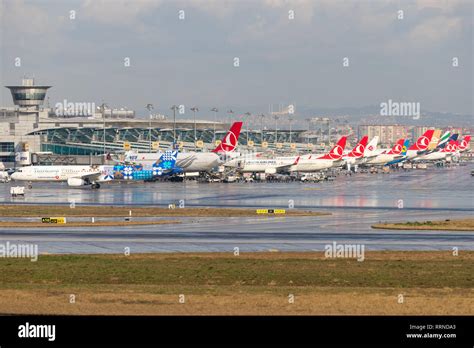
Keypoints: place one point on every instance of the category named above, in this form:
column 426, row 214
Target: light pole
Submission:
column 149, row 108
column 309, row 129
column 248, row 121
column 262, row 116
column 230, row 112
column 290, row 119
column 103, row 106
column 215, row 119
column 194, row 109
column 276, row 128
column 174, row 108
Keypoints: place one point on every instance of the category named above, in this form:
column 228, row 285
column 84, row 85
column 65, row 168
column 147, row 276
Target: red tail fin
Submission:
column 397, row 148
column 230, row 140
column 336, row 151
column 451, row 146
column 465, row 142
column 423, row 141
column 358, row 150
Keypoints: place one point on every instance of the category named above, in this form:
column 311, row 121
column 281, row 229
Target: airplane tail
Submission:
column 336, row 151
column 465, row 143
column 451, row 147
column 371, row 147
column 230, row 140
column 358, row 150
column 405, row 146
column 397, row 148
column 443, row 140
column 422, row 142
column 166, row 163
column 434, row 139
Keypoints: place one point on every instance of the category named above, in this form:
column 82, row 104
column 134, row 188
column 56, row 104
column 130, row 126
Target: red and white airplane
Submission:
column 420, row 145
column 388, row 155
column 330, row 160
column 194, row 162
column 357, row 154
column 464, row 145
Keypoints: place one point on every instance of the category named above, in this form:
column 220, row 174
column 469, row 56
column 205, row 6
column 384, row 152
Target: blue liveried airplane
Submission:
column 165, row 165
column 75, row 175
column 403, row 154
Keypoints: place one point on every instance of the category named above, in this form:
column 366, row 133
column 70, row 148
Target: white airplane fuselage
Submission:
column 312, row 165
column 381, row 159
column 53, row 173
column 188, row 161
column 434, row 156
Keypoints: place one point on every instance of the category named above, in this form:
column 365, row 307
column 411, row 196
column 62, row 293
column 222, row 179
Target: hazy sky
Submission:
column 190, row 61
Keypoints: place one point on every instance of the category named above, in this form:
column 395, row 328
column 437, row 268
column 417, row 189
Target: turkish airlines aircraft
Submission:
column 263, row 165
column 330, row 160
column 464, row 145
column 388, row 156
column 444, row 153
column 74, row 175
column 194, row 161
column 420, row 145
column 357, row 153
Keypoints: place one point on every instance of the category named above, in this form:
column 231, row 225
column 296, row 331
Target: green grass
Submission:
column 177, row 270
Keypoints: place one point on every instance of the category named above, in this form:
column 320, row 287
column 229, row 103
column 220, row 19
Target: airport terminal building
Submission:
column 30, row 127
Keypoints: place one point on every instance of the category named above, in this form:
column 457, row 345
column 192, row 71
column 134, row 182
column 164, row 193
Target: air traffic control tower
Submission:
column 28, row 95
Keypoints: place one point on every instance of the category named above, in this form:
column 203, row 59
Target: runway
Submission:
column 356, row 202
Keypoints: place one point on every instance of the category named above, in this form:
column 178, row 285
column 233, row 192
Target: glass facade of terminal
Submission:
column 7, row 147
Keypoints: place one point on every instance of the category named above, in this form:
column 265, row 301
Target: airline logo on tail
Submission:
column 405, row 147
column 336, row 151
column 422, row 143
column 358, row 151
column 451, row 147
column 465, row 143
column 443, row 140
column 230, row 141
column 371, row 147
column 435, row 139
column 397, row 148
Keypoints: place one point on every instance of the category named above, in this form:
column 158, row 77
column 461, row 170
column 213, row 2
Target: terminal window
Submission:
column 7, row 147
column 6, row 159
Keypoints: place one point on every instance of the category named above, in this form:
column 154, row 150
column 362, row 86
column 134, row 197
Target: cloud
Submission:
column 118, row 12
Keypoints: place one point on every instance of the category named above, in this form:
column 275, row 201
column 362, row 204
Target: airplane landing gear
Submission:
column 95, row 186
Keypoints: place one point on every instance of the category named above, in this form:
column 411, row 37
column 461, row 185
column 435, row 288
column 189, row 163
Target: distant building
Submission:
column 388, row 134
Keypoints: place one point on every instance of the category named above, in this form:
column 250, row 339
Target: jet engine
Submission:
column 270, row 171
column 75, row 182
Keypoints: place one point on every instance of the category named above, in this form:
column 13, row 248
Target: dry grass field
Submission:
column 252, row 283
column 445, row 225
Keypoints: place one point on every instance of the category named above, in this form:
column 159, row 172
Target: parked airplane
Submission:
column 464, row 145
column 74, row 175
column 92, row 175
column 164, row 166
column 387, row 156
column 330, row 160
column 448, row 150
column 191, row 162
column 421, row 145
column 263, row 165
column 440, row 153
column 357, row 153
column 402, row 156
